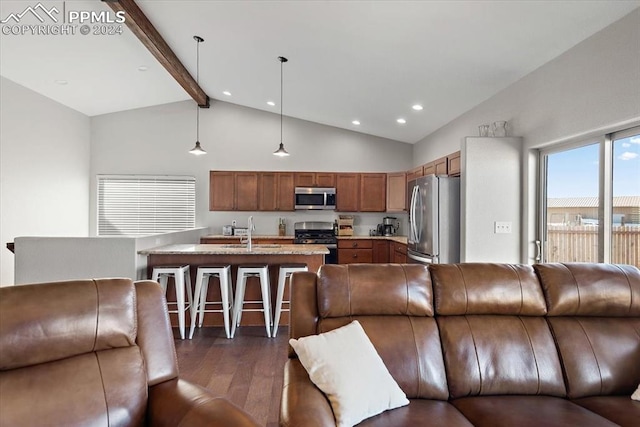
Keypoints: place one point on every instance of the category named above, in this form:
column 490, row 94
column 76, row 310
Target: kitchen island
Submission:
column 196, row 255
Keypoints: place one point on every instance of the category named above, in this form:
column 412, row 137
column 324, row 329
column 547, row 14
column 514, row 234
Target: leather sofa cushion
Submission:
column 100, row 315
column 410, row 349
column 420, row 413
column 619, row 409
column 364, row 289
column 527, row 411
column 601, row 356
column 108, row 387
column 476, row 288
column 591, row 289
column 491, row 355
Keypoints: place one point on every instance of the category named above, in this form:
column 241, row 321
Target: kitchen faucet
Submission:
column 250, row 227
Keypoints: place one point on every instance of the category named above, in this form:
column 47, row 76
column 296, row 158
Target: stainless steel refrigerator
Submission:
column 434, row 220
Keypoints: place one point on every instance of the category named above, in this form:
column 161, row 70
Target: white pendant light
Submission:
column 281, row 151
column 198, row 150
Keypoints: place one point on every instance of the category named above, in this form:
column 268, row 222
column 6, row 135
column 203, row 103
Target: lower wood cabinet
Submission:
column 351, row 251
column 381, row 251
column 397, row 253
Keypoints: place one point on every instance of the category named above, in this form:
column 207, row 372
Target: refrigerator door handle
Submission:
column 419, row 225
column 412, row 215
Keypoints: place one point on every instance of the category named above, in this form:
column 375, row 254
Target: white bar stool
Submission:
column 182, row 280
column 252, row 270
column 285, row 271
column 223, row 272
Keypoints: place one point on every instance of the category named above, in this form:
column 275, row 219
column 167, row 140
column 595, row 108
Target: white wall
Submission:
column 156, row 140
column 44, row 170
column 490, row 192
column 592, row 88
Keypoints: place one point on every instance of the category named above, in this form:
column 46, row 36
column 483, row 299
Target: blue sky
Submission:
column 574, row 173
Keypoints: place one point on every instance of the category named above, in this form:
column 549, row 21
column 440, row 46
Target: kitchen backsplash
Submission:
column 266, row 223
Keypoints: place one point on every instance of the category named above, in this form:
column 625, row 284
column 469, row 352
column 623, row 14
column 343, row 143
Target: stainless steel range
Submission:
column 317, row 233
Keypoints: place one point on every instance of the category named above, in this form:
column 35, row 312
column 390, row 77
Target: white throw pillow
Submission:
column 636, row 394
column 347, row 368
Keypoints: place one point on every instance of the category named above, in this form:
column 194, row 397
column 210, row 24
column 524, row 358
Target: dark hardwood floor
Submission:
column 247, row 370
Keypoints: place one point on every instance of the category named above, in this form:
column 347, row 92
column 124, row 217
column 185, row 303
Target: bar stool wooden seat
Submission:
column 223, row 273
column 252, row 270
column 286, row 270
column 182, row 279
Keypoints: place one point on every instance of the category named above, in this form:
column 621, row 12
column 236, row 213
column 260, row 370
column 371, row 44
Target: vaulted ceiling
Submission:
column 369, row 61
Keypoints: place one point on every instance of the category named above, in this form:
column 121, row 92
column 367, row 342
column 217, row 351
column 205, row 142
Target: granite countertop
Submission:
column 233, row 249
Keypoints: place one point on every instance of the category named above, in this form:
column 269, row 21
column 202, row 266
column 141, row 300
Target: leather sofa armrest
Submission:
column 303, row 404
column 178, row 403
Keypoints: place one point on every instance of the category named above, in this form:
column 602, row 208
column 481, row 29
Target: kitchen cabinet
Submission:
column 397, row 253
column 246, row 191
column 453, row 164
column 315, row 179
column 351, row 251
column 440, row 166
column 396, row 192
column 373, row 192
column 415, row 173
column 347, row 192
column 380, row 251
column 222, row 191
column 276, row 192
column 429, row 169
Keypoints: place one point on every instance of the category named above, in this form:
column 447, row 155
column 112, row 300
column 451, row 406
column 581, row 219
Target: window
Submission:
column 134, row 205
column 590, row 210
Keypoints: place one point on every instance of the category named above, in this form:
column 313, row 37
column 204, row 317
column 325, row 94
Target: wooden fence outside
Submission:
column 580, row 244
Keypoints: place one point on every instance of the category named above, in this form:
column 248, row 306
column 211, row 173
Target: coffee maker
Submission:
column 390, row 226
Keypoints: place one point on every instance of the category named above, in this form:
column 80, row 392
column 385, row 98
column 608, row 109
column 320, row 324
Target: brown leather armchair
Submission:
column 100, row 353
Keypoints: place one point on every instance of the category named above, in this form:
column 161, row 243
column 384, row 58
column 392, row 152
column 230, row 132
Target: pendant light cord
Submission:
column 198, row 82
column 281, row 62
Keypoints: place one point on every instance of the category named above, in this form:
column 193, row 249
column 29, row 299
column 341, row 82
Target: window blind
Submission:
column 135, row 205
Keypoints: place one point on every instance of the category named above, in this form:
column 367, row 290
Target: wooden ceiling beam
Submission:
column 140, row 25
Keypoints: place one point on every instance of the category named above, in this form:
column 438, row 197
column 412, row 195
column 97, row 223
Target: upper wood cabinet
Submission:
column 276, row 191
column 229, row 191
column 440, row 166
column 347, row 192
column 246, row 191
column 396, row 192
column 415, row 173
column 453, row 163
column 373, row 192
column 315, row 179
column 222, row 191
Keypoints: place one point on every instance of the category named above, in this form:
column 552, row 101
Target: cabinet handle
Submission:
column 354, row 245
column 355, row 255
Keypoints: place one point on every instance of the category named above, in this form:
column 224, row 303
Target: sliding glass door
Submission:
column 590, row 200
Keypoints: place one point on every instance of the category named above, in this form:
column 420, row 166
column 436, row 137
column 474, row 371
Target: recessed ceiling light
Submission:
column 226, row 92
column 143, row 68
column 417, row 107
column 401, row 121
column 271, row 103
column 356, row 122
column 62, row 82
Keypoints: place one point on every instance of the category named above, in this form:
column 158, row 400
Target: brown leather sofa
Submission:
column 97, row 353
column 480, row 344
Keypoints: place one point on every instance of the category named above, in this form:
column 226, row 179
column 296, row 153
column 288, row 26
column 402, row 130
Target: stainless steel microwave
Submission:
column 315, row 198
